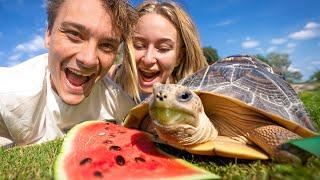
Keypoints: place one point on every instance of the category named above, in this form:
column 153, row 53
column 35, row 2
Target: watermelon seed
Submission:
column 139, row 159
column 102, row 134
column 120, row 160
column 107, row 142
column 85, row 161
column 114, row 148
column 98, row 174
column 112, row 135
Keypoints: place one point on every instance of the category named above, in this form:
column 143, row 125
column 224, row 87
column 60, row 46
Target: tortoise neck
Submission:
column 204, row 132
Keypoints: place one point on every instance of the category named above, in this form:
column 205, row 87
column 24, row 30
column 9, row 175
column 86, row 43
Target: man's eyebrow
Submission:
column 84, row 29
column 74, row 25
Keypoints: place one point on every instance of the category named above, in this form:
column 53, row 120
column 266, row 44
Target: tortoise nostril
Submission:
column 160, row 96
column 160, row 92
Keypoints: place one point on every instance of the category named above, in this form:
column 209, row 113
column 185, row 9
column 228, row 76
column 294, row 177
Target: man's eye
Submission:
column 74, row 35
column 108, row 47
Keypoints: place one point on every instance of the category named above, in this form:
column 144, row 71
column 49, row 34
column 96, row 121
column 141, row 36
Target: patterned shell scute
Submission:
column 253, row 82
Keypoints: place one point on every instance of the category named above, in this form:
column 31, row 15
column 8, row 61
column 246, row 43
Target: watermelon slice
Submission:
column 97, row 149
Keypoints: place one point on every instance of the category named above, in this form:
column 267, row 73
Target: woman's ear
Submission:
column 47, row 38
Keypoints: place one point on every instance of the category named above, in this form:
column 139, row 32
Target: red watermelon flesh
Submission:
column 97, row 149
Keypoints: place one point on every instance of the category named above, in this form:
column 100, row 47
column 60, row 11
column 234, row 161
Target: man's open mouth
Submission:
column 77, row 78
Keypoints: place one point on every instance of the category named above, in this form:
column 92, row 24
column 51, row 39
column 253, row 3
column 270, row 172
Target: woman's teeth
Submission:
column 149, row 75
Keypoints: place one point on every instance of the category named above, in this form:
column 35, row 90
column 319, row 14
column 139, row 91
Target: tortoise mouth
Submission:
column 167, row 117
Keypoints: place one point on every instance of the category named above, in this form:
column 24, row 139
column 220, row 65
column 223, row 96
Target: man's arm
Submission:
column 5, row 138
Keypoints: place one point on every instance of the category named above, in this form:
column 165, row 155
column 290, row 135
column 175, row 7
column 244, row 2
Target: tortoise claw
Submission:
column 286, row 157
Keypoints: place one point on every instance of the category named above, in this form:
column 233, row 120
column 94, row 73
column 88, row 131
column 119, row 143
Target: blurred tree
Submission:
column 316, row 76
column 279, row 62
column 293, row 76
column 211, row 54
column 262, row 58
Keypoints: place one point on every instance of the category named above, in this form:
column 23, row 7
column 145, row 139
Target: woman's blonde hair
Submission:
column 127, row 76
column 191, row 54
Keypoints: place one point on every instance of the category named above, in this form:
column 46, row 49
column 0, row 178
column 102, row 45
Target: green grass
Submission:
column 36, row 162
column 311, row 100
column 32, row 162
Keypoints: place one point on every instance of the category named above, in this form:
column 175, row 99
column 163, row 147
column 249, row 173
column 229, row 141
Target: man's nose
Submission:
column 87, row 56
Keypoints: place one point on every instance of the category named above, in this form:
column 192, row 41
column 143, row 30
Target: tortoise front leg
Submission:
column 270, row 138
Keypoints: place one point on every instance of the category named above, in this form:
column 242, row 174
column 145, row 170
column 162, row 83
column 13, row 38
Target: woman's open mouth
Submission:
column 148, row 76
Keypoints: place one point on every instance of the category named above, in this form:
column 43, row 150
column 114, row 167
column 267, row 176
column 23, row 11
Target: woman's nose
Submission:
column 150, row 56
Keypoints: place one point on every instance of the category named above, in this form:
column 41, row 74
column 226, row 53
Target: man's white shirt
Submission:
column 31, row 112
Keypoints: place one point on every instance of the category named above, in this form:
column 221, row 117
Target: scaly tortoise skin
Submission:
column 236, row 107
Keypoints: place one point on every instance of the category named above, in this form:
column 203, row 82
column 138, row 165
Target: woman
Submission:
column 167, row 47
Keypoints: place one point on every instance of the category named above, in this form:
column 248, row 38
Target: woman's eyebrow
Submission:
column 166, row 40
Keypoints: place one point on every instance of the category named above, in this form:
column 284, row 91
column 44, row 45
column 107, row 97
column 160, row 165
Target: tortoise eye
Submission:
column 185, row 96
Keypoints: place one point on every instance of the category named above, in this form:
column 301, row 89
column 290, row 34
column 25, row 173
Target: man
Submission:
column 48, row 94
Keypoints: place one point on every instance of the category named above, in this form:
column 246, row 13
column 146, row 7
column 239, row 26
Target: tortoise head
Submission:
column 174, row 105
column 178, row 115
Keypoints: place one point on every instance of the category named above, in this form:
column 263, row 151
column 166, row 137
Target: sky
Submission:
column 230, row 26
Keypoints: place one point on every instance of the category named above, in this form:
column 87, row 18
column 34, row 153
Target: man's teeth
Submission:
column 76, row 78
column 80, row 73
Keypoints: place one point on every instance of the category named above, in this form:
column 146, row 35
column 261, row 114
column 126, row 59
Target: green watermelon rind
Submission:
column 66, row 148
column 206, row 175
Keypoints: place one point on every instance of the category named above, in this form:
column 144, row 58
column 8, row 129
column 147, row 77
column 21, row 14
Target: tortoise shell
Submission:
column 245, row 82
column 253, row 82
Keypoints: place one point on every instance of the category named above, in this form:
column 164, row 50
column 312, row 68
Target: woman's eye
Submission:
column 138, row 45
column 163, row 50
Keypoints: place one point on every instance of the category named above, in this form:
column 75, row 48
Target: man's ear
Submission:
column 47, row 38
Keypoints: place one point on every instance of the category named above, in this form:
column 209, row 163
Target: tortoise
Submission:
column 237, row 107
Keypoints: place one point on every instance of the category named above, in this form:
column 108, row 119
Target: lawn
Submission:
column 36, row 162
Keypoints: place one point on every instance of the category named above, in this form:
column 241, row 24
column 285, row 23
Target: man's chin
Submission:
column 72, row 99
